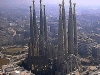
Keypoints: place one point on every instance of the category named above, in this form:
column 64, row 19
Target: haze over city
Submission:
column 29, row 2
column 49, row 37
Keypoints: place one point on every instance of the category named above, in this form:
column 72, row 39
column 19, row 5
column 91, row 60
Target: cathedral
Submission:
column 44, row 58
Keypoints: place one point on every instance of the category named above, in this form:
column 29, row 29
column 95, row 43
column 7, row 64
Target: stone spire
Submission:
column 75, row 31
column 45, row 25
column 64, row 25
column 31, row 23
column 34, row 19
column 30, row 44
column 31, row 31
column 70, row 31
column 70, row 2
column 36, row 53
column 41, row 37
column 60, row 37
column 41, row 20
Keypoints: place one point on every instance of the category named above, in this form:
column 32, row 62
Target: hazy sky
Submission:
column 79, row 2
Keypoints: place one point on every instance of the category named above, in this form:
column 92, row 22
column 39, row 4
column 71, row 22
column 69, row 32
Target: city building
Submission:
column 43, row 56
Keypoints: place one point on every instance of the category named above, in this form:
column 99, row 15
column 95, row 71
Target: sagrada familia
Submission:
column 43, row 57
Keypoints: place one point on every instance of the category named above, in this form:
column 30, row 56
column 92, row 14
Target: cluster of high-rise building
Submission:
column 43, row 57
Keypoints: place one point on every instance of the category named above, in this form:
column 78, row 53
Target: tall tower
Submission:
column 60, row 38
column 36, row 52
column 70, row 31
column 75, row 32
column 64, row 25
column 45, row 26
column 41, row 37
column 41, row 21
column 30, row 44
column 31, row 32
column 45, row 32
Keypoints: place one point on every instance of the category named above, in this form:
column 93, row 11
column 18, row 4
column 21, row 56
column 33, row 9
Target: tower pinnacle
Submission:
column 40, row 1
column 30, row 8
column 70, row 2
column 60, row 7
column 74, row 4
column 63, row 2
column 33, row 1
